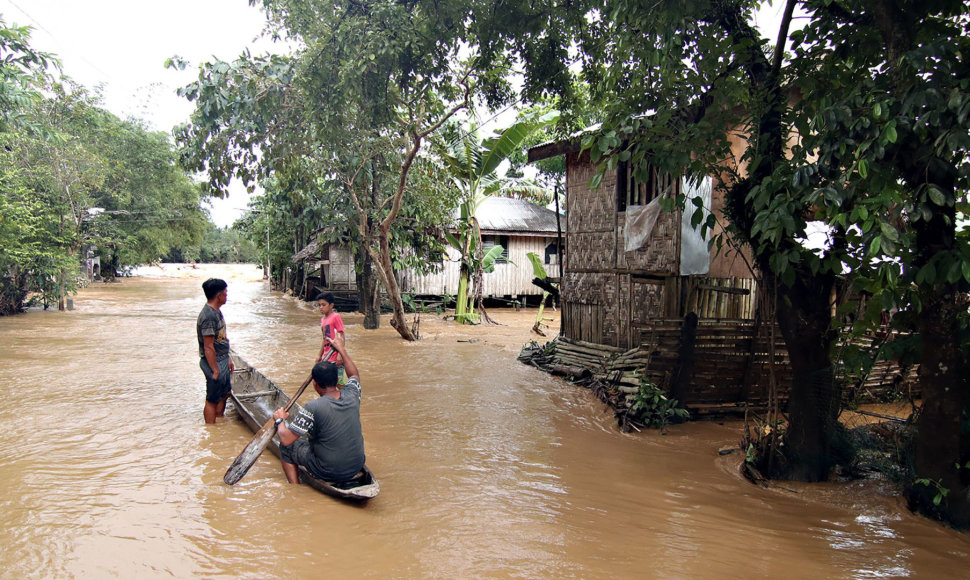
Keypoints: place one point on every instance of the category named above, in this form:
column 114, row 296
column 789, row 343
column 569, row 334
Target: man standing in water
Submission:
column 335, row 449
column 214, row 349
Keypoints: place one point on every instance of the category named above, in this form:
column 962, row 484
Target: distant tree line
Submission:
column 217, row 246
column 80, row 183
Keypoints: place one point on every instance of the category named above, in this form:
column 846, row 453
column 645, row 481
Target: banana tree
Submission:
column 540, row 272
column 472, row 165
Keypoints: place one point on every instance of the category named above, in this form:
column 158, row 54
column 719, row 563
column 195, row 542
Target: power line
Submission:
column 40, row 26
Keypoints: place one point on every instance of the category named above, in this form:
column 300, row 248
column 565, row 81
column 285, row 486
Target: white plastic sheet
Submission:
column 695, row 258
column 640, row 221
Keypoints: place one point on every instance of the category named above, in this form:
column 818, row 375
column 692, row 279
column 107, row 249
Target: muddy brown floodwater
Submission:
column 488, row 468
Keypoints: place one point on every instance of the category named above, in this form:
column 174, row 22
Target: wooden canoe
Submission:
column 256, row 398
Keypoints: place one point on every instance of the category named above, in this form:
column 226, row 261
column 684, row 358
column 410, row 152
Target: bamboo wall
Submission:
column 721, row 298
column 590, row 283
column 730, row 364
column 513, row 279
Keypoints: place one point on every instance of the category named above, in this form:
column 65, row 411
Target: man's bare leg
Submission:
column 291, row 472
column 221, row 407
column 210, row 412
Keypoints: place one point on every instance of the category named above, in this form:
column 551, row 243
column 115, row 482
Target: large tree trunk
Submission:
column 386, row 271
column 804, row 309
column 813, row 436
column 942, row 445
column 367, row 292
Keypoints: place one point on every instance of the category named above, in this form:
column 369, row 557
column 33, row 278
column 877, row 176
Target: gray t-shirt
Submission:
column 333, row 429
column 211, row 323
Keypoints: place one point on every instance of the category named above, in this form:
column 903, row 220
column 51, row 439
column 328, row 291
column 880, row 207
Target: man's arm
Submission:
column 209, row 347
column 340, row 360
column 286, row 436
column 350, row 368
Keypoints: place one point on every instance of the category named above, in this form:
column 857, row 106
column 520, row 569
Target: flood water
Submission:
column 488, row 468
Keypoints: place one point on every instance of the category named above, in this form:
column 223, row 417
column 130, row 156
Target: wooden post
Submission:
column 685, row 359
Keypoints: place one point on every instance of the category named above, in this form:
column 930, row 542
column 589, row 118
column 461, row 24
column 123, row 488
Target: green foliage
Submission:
column 88, row 184
column 652, row 407
column 881, row 111
column 23, row 74
column 217, row 246
column 939, row 492
column 538, row 269
column 340, row 125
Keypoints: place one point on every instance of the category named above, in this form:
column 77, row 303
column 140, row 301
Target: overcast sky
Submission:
column 123, row 44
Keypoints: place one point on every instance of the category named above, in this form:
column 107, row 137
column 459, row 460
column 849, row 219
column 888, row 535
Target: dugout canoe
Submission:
column 255, row 398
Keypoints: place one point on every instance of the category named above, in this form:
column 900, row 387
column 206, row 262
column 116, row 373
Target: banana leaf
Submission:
column 537, row 267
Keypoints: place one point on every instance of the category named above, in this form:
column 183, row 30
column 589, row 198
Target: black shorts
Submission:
column 295, row 453
column 299, row 454
column 216, row 389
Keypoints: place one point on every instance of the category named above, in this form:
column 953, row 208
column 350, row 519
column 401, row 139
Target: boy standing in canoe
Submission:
column 331, row 324
column 334, row 448
column 210, row 329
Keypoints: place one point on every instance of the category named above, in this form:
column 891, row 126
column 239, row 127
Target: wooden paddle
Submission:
column 248, row 457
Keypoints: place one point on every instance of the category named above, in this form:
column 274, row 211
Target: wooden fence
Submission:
column 715, row 367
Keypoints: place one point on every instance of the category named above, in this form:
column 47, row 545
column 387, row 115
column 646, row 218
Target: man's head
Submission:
column 212, row 287
column 325, row 374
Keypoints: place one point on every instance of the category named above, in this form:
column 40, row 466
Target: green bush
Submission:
column 652, row 407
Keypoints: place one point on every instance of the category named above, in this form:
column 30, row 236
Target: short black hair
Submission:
column 213, row 286
column 325, row 374
column 328, row 296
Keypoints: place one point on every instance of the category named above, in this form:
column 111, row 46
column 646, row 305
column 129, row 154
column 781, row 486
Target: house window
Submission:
column 489, row 241
column 552, row 255
column 635, row 187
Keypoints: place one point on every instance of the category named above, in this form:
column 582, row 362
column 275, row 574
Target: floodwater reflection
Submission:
column 488, row 467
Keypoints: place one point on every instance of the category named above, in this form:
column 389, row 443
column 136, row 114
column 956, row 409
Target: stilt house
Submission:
column 642, row 289
column 518, row 226
column 634, row 273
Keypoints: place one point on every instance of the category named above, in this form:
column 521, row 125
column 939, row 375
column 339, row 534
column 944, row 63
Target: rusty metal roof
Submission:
column 306, row 252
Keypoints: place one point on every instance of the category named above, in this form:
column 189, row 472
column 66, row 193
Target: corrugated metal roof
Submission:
column 496, row 215
column 506, row 215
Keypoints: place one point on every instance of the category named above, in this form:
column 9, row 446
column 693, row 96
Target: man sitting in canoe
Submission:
column 335, row 449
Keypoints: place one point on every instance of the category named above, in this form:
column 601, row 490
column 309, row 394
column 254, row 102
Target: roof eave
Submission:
column 554, row 149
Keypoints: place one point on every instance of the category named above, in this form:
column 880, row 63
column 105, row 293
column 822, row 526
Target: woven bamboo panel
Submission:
column 590, row 251
column 588, row 288
column 589, row 210
column 646, row 301
column 662, row 251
